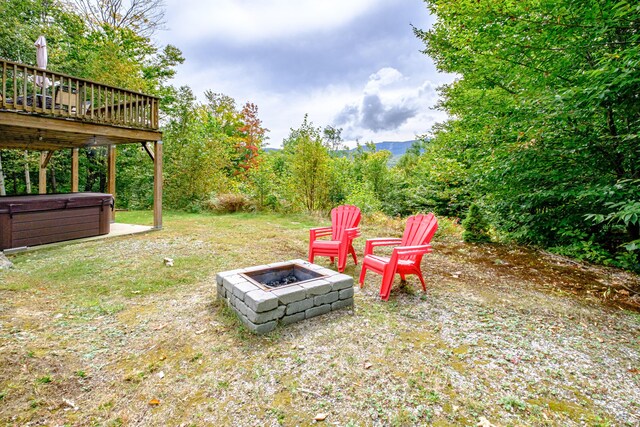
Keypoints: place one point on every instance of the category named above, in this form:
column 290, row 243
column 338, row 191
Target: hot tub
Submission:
column 47, row 218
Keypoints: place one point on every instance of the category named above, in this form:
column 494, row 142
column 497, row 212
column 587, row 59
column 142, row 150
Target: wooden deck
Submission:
column 43, row 110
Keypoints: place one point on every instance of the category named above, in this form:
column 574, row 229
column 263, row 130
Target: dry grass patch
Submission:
column 102, row 333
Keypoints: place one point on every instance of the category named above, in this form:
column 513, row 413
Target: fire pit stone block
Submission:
column 240, row 289
column 266, row 316
column 342, row 303
column 317, row 287
column 326, row 298
column 326, row 271
column 317, row 311
column 299, row 306
column 346, row 293
column 220, row 276
column 297, row 317
column 259, row 300
column 262, row 310
column 289, row 294
column 340, row 281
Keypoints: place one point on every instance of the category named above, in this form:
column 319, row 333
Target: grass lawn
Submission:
column 103, row 333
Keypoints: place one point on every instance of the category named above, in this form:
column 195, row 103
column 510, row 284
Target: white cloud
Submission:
column 312, row 56
column 390, row 107
column 248, row 21
column 399, row 107
column 287, row 111
column 279, row 111
column 384, row 77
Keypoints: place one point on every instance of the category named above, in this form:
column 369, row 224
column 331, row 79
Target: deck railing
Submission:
column 28, row 89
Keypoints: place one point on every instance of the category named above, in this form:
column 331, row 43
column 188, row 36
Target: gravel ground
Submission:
column 503, row 337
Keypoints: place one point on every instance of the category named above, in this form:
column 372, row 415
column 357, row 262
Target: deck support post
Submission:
column 157, row 185
column 74, row 170
column 42, row 176
column 111, row 177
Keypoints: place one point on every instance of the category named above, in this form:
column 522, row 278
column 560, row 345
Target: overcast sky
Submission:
column 353, row 64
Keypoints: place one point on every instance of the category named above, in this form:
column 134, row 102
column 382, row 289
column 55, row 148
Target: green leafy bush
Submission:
column 476, row 227
column 363, row 197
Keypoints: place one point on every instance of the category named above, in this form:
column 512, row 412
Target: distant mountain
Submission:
column 397, row 148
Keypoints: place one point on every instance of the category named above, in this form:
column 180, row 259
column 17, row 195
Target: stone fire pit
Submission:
column 283, row 293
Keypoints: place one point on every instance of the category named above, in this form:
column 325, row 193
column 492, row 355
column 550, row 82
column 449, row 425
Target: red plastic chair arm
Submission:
column 408, row 251
column 352, row 233
column 314, row 233
column 371, row 243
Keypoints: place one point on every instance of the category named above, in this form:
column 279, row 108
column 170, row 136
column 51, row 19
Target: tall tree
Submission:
column 144, row 17
column 200, row 147
column 27, row 173
column 104, row 40
column 252, row 134
column 24, row 20
column 545, row 116
column 333, row 138
column 309, row 165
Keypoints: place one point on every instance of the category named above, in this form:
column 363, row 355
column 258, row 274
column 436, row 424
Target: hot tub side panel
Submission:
column 5, row 231
column 37, row 223
column 39, row 228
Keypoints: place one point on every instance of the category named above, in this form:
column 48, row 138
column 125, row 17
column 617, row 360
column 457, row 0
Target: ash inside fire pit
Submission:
column 277, row 277
column 282, row 282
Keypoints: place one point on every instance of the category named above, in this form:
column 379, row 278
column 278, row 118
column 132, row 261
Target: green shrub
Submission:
column 364, row 197
column 476, row 227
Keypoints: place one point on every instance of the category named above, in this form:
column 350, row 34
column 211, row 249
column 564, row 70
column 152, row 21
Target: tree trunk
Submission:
column 27, row 174
column 618, row 158
column 633, row 230
column 54, row 184
column 102, row 182
column 3, row 192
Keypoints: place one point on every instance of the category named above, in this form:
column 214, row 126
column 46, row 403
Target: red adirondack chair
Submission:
column 406, row 257
column 344, row 228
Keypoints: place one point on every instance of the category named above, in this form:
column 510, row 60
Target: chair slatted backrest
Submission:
column 343, row 217
column 419, row 230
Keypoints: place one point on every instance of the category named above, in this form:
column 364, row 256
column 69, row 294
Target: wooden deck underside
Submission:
column 33, row 132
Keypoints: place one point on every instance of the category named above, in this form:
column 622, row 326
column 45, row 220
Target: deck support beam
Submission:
column 74, row 170
column 146, row 148
column 157, row 185
column 47, row 159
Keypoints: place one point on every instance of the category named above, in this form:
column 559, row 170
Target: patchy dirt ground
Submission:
column 102, row 333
